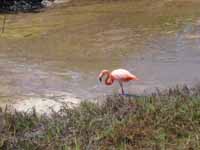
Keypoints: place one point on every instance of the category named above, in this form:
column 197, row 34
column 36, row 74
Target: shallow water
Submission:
column 58, row 67
column 171, row 60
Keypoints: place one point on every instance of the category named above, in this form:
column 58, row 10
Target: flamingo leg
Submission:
column 122, row 89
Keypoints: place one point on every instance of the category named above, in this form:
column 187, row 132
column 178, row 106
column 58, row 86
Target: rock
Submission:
column 46, row 3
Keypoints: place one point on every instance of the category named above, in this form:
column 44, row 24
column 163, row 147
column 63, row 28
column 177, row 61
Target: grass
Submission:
column 165, row 120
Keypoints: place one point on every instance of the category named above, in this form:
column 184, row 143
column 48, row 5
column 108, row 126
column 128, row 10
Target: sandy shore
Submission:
column 45, row 104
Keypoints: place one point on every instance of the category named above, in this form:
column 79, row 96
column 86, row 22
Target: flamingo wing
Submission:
column 123, row 75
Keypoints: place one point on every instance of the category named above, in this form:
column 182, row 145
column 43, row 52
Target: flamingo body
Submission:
column 120, row 75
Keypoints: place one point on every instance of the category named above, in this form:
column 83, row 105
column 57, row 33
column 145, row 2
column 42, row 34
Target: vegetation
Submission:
column 19, row 5
column 165, row 120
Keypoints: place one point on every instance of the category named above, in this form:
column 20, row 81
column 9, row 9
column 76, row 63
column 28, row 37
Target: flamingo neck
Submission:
column 109, row 80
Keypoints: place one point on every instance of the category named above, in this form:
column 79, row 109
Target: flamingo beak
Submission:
column 100, row 79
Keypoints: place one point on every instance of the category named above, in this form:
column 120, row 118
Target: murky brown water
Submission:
column 170, row 61
column 62, row 65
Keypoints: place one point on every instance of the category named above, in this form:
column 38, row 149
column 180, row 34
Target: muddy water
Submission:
column 172, row 60
column 62, row 65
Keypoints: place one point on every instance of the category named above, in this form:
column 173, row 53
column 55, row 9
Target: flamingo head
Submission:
column 102, row 73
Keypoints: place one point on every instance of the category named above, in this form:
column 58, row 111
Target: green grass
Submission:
column 165, row 120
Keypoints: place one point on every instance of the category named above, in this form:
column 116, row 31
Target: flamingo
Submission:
column 120, row 75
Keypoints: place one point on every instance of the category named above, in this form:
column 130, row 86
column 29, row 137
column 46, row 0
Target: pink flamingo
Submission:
column 120, row 75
